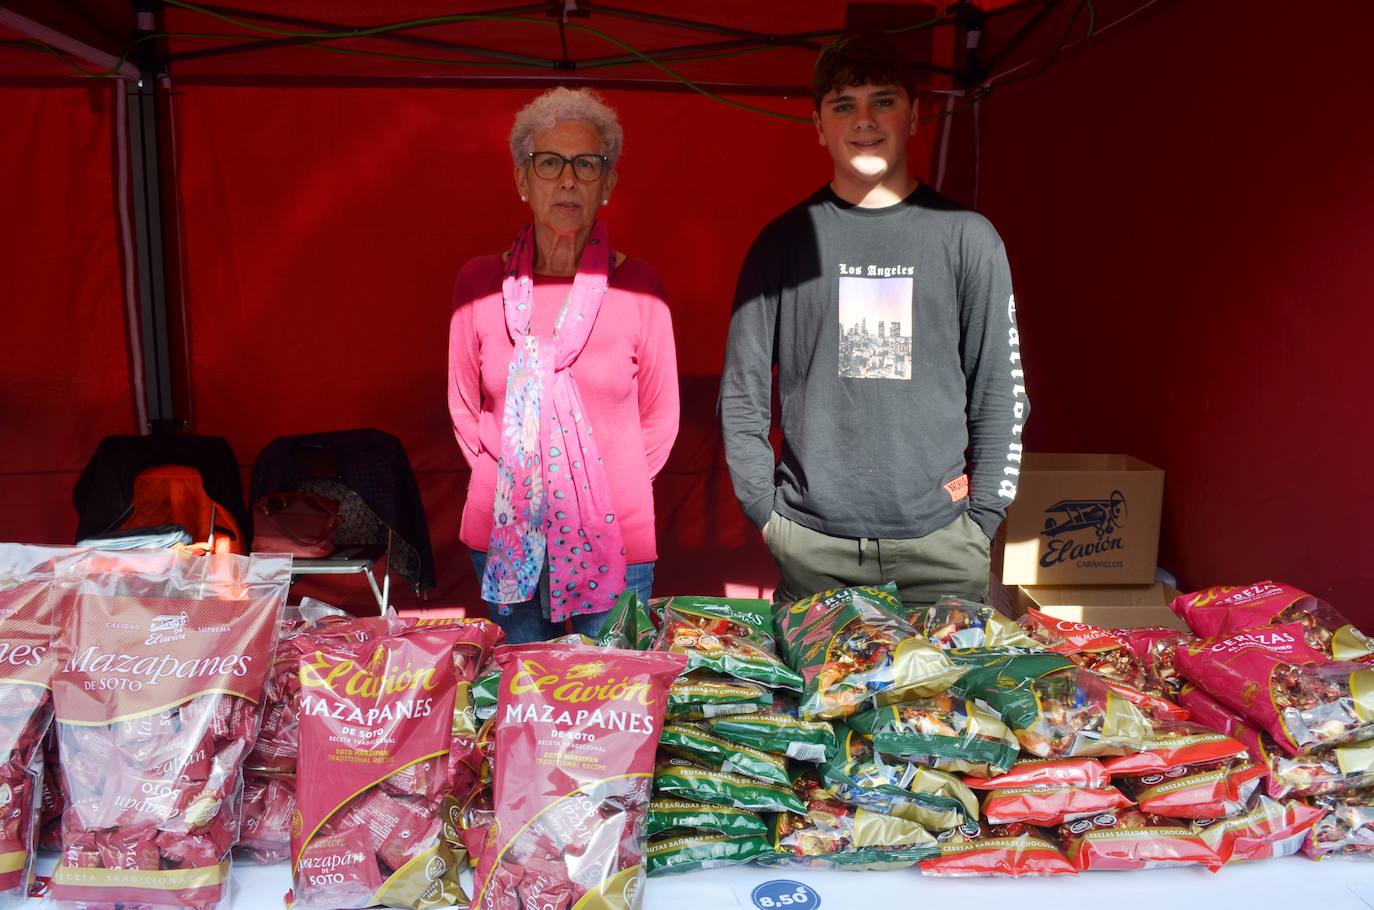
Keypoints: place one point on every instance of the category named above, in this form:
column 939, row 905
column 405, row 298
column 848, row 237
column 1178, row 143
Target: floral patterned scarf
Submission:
column 552, row 497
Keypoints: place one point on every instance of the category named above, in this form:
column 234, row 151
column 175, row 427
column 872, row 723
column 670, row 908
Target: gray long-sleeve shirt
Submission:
column 899, row 370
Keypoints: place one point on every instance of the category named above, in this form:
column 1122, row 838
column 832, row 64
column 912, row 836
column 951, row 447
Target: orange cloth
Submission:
column 174, row 494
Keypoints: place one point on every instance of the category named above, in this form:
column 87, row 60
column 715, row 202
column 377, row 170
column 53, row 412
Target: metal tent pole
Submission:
column 67, row 45
column 148, row 250
column 136, row 143
column 147, row 147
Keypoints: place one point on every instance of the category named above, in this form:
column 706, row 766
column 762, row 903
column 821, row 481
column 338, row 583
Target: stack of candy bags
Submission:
column 165, row 713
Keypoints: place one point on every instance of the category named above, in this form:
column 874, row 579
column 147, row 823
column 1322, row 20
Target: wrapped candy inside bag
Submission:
column 1055, row 708
column 374, row 785
column 54, row 798
column 833, row 833
column 1223, row 610
column 954, row 624
column 269, row 771
column 1005, row 851
column 275, row 748
column 1106, row 654
column 1278, row 683
column 855, row 650
column 726, row 636
column 1156, row 646
column 269, row 804
column 1346, row 827
column 475, row 817
column 952, row 734
column 576, row 732
column 162, row 664
column 28, row 622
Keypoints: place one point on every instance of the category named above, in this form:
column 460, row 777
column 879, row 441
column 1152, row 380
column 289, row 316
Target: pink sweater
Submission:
column 627, row 375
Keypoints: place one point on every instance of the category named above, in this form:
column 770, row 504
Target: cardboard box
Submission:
column 1083, row 520
column 1108, row 606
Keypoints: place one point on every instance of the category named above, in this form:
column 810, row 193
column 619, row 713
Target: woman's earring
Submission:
column 524, row 199
column 605, row 202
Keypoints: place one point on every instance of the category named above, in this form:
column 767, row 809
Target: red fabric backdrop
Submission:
column 323, row 231
column 1185, row 200
column 64, row 371
column 1188, row 203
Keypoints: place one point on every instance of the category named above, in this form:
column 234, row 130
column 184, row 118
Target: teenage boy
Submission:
column 889, row 314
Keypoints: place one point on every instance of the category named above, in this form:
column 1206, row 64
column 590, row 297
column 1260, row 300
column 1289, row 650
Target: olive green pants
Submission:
column 952, row 560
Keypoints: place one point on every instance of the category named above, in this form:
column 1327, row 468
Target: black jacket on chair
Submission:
column 104, row 493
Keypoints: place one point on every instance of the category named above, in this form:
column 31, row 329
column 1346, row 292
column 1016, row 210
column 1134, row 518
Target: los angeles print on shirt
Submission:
column 877, row 309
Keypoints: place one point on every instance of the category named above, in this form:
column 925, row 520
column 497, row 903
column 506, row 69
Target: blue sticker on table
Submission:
column 782, row 892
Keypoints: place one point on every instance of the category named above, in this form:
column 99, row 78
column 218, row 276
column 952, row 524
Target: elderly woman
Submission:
column 562, row 387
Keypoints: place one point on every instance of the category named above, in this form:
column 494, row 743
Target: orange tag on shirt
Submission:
column 957, row 488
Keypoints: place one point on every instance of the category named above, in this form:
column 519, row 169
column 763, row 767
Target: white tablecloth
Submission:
column 1284, row 884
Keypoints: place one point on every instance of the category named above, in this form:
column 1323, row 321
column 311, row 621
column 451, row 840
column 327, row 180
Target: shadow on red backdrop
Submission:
column 1187, row 205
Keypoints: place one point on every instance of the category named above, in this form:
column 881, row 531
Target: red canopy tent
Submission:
column 325, row 167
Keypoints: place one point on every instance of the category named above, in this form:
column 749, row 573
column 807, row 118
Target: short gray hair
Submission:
column 563, row 104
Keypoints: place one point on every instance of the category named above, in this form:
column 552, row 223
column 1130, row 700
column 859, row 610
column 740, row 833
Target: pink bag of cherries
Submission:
column 1222, row 610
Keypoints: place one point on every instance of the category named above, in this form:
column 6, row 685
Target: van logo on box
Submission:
column 1066, row 524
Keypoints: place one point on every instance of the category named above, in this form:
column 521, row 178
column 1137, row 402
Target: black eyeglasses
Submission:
column 550, row 165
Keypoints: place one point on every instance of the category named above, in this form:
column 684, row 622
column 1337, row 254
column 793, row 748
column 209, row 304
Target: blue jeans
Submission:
column 526, row 622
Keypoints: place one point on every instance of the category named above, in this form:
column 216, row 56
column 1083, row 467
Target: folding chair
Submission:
column 368, row 474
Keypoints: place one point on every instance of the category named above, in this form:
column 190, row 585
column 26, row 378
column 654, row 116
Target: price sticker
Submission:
column 784, row 894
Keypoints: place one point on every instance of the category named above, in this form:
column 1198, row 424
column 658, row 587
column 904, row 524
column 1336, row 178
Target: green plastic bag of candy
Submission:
column 945, row 732
column 669, row 814
column 836, row 834
column 854, row 649
column 690, row 852
column 725, row 636
column 628, row 625
column 701, row 746
column 679, row 777
column 935, row 799
column 697, row 696
column 780, row 730
column 1055, row 708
